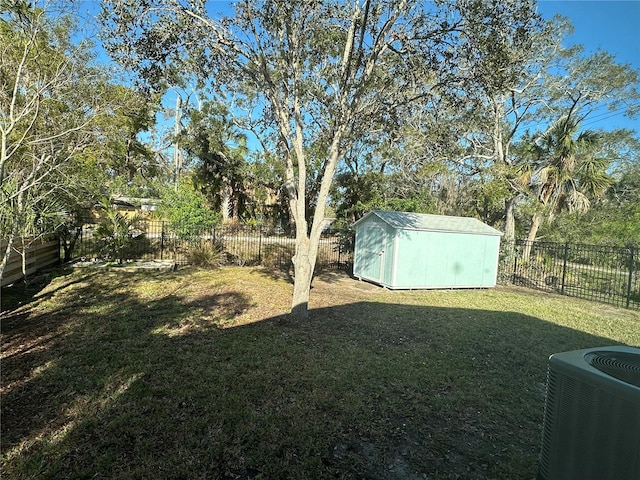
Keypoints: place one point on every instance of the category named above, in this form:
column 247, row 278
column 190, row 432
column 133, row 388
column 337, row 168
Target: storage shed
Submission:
column 402, row 250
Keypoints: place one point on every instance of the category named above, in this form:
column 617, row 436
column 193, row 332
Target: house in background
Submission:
column 133, row 205
column 402, row 250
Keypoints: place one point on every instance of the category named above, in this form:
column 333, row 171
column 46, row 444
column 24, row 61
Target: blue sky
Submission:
column 610, row 25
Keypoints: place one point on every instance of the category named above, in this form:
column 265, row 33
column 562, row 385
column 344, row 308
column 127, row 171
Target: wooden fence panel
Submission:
column 40, row 253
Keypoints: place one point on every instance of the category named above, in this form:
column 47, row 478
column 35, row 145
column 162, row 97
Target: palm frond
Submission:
column 576, row 201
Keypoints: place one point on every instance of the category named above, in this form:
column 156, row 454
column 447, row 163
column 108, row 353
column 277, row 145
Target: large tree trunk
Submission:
column 509, row 221
column 304, row 262
column 11, row 238
column 536, row 220
column 508, row 244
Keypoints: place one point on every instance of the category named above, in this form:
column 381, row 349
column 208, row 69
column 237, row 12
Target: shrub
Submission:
column 206, row 254
column 118, row 237
column 278, row 256
column 187, row 212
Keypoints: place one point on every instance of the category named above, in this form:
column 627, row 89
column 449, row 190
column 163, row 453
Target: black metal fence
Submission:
column 603, row 273
column 606, row 274
column 239, row 245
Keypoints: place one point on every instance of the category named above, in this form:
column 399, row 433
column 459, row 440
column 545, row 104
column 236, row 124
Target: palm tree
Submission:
column 220, row 148
column 566, row 173
column 117, row 233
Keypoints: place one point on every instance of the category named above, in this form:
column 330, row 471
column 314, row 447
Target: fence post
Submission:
column 515, row 264
column 564, row 266
column 629, row 283
column 259, row 243
column 162, row 241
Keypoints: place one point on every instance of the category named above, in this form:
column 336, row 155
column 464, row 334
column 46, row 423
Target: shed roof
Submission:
column 431, row 223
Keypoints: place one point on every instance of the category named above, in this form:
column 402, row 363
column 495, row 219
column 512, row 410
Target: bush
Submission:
column 206, row 254
column 118, row 237
column 187, row 212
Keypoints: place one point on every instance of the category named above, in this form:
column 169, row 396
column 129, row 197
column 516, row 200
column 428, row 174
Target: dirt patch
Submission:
column 137, row 266
column 435, row 447
column 327, row 288
column 362, row 457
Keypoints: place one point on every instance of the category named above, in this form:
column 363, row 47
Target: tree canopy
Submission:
column 290, row 111
column 319, row 73
column 66, row 128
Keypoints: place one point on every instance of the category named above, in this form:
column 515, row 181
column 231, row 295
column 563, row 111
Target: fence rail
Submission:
column 602, row 273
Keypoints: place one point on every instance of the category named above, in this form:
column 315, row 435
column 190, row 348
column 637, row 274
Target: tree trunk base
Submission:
column 303, row 265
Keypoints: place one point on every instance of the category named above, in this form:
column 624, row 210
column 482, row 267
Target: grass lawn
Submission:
column 199, row 374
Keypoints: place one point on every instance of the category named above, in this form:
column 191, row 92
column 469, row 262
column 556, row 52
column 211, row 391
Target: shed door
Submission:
column 373, row 252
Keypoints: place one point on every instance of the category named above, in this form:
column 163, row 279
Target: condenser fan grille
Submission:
column 624, row 366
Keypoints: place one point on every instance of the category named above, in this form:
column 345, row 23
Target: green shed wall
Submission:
column 408, row 259
column 445, row 260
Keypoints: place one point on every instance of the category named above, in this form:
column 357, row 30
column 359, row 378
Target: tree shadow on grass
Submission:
column 51, row 360
column 138, row 389
column 323, row 273
column 24, row 292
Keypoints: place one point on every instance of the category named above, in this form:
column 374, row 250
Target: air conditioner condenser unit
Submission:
column 591, row 424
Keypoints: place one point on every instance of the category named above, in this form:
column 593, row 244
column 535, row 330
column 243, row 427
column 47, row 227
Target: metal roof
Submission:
column 432, row 223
